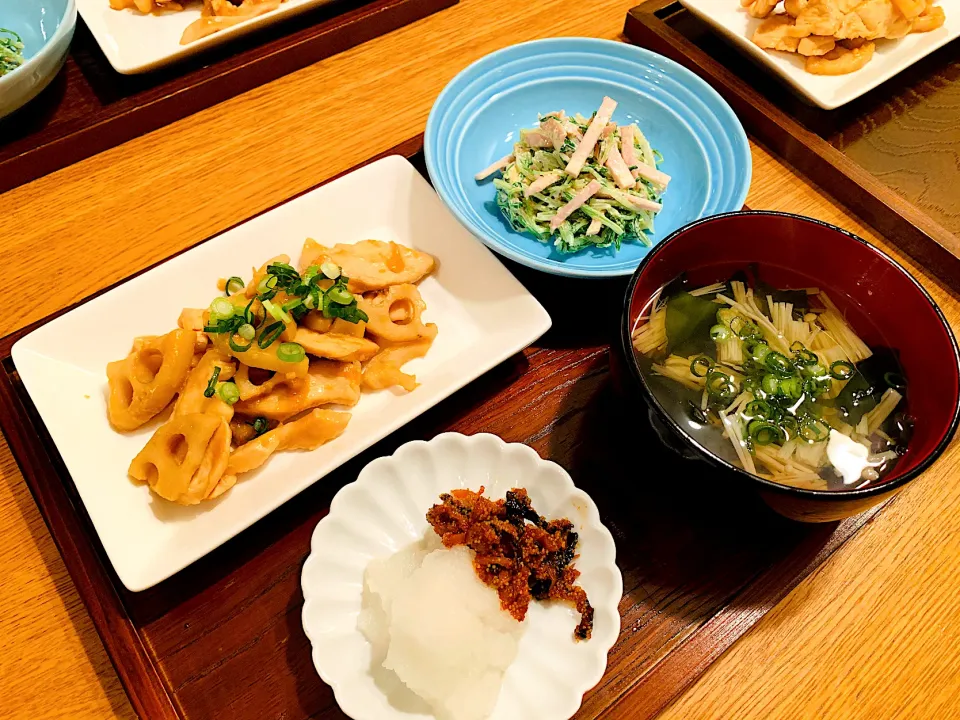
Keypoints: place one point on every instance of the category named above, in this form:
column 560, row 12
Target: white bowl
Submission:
column 46, row 27
column 385, row 510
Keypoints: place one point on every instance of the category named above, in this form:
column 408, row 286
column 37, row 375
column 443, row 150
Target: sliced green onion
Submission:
column 792, row 387
column 759, row 409
column 737, row 324
column 759, row 351
column 310, row 273
column 778, row 364
column 341, row 296
column 701, row 362
column 282, row 269
column 270, row 334
column 763, row 433
column 278, row 313
column 816, row 370
column 750, row 330
column 788, row 426
column 842, row 370
column 720, row 385
column 239, row 347
column 719, row 333
column 247, row 331
column 267, row 285
column 813, row 430
column 251, row 316
column 331, row 270
column 221, row 309
column 228, row 392
column 212, row 385
column 293, row 304
column 770, row 384
column 895, row 380
column 260, row 426
column 291, row 352
column 234, row 285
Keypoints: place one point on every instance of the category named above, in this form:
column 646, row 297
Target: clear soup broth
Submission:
column 776, row 381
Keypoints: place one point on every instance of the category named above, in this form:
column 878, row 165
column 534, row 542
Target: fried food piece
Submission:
column 840, row 60
column 326, row 383
column 759, row 8
column 335, row 346
column 774, row 34
column 816, row 45
column 307, row 433
column 185, row 459
column 144, row 383
column 931, row 19
column 517, row 552
column 794, row 7
column 370, row 264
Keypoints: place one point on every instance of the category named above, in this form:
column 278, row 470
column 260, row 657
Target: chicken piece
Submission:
column 794, row 7
column 371, row 264
column 760, row 8
column 774, row 33
column 326, row 383
column 818, row 17
column 308, row 433
column 335, row 346
column 931, row 19
column 840, row 60
column 385, row 370
column 816, row 45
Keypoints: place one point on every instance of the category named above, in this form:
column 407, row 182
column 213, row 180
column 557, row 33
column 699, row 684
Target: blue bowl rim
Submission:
column 717, row 461
column 68, row 23
column 560, row 269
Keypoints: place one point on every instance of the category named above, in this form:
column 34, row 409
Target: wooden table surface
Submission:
column 874, row 633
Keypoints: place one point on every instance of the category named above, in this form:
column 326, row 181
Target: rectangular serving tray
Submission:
column 702, row 561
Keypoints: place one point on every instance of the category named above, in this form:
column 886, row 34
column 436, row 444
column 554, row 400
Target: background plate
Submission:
column 477, row 118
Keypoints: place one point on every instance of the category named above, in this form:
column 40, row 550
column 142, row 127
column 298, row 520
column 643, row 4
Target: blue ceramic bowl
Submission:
column 46, row 28
column 478, row 117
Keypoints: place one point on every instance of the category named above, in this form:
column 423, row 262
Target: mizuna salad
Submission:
column 582, row 182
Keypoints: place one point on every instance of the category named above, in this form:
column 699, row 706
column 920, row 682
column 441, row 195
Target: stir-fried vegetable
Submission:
column 582, row 182
column 11, row 51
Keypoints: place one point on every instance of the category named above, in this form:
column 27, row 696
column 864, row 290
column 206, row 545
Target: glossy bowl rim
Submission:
column 715, row 460
column 68, row 23
column 519, row 257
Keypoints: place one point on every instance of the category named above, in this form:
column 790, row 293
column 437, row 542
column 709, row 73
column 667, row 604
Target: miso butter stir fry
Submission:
column 777, row 382
column 584, row 182
column 257, row 371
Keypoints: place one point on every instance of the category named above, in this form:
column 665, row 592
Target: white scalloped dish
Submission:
column 385, row 511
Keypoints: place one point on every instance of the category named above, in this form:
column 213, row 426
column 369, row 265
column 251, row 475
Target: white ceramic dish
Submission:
column 135, row 43
column 385, row 509
column 483, row 313
column 891, row 57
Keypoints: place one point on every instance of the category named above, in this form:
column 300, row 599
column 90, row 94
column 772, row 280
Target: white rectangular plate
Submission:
column 135, row 43
column 484, row 316
column 891, row 57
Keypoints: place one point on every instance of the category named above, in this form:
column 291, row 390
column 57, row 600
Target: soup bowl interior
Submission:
column 880, row 300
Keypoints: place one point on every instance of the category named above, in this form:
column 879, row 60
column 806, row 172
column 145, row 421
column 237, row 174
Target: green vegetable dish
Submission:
column 11, row 51
column 777, row 382
column 581, row 182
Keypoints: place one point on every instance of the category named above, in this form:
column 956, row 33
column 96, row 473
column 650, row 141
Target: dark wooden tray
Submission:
column 702, row 561
column 889, row 156
column 90, row 107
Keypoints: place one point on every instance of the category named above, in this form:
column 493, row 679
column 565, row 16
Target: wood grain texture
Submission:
column 89, row 107
column 85, row 227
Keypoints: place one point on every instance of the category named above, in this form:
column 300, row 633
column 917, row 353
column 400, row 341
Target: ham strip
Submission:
column 535, row 138
column 655, row 176
column 581, row 197
column 640, row 168
column 498, row 165
column 590, row 137
column 554, row 131
column 619, row 169
column 542, row 183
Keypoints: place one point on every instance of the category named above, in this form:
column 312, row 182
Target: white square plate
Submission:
column 484, row 316
column 135, row 43
column 891, row 57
